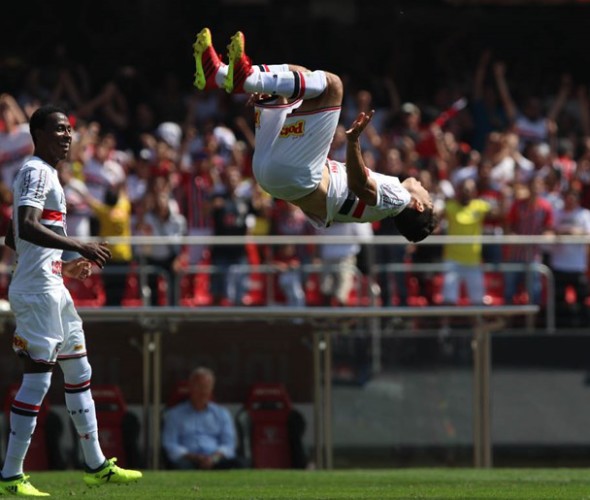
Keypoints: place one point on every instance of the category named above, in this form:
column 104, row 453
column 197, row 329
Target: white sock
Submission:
column 80, row 405
column 272, row 68
column 290, row 84
column 276, row 68
column 83, row 413
column 221, row 75
column 23, row 419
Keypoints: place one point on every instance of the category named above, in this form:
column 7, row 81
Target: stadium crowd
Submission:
column 150, row 158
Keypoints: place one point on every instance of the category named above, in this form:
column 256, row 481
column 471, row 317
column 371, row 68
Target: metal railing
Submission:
column 157, row 322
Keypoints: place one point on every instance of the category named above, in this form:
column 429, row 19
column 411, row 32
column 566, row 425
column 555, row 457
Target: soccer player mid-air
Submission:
column 296, row 115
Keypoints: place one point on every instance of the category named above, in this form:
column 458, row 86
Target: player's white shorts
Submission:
column 48, row 327
column 292, row 148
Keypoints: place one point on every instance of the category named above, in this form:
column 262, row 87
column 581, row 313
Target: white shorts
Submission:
column 48, row 327
column 292, row 148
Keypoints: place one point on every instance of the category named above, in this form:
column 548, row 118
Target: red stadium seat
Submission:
column 179, row 393
column 313, row 293
column 87, row 293
column 132, row 296
column 494, row 287
column 111, row 409
column 268, row 406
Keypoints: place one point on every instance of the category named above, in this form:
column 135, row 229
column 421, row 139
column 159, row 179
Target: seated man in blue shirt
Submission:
column 199, row 434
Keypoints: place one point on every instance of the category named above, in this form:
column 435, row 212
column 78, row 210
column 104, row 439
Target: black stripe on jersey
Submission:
column 55, row 229
column 26, row 181
column 296, row 84
column 41, row 184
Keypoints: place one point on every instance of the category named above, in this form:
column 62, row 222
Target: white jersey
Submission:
column 290, row 157
column 38, row 269
column 344, row 206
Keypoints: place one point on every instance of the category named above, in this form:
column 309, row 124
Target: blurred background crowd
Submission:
column 487, row 105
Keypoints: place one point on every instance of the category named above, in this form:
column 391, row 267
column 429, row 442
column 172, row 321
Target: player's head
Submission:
column 415, row 225
column 417, row 220
column 51, row 132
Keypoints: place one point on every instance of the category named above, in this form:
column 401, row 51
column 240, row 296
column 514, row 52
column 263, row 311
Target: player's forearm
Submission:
column 356, row 173
column 39, row 235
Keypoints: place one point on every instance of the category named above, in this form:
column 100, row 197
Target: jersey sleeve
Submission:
column 33, row 188
column 391, row 195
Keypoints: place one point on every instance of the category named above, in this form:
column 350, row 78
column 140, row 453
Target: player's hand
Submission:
column 99, row 253
column 257, row 97
column 357, row 127
column 79, row 268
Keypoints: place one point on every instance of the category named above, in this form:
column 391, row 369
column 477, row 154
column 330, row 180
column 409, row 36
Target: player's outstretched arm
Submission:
column 358, row 179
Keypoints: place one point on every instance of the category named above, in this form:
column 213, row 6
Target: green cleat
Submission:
column 20, row 487
column 239, row 65
column 206, row 60
column 111, row 473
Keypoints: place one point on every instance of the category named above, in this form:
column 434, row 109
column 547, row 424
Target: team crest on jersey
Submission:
column 56, row 267
column 257, row 118
column 293, row 129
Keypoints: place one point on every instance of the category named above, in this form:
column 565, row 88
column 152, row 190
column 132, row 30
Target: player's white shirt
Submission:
column 344, row 206
column 38, row 269
column 291, row 154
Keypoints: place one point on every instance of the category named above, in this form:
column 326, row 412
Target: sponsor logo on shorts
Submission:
column 257, row 119
column 19, row 343
column 78, row 347
column 295, row 129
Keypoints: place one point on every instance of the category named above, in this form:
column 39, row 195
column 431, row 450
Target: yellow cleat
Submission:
column 111, row 473
column 207, row 61
column 239, row 64
column 20, row 487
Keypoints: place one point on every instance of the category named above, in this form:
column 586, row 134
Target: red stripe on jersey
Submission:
column 301, row 84
column 52, row 215
column 25, row 406
column 358, row 211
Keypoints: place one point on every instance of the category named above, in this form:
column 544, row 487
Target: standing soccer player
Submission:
column 48, row 328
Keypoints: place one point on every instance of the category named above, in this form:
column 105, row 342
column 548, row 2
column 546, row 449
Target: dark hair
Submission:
column 38, row 119
column 415, row 225
column 111, row 197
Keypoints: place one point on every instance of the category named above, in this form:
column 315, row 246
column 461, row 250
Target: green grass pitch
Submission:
column 435, row 483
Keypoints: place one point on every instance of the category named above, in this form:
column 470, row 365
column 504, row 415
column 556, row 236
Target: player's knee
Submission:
column 335, row 88
column 76, row 371
column 38, row 383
